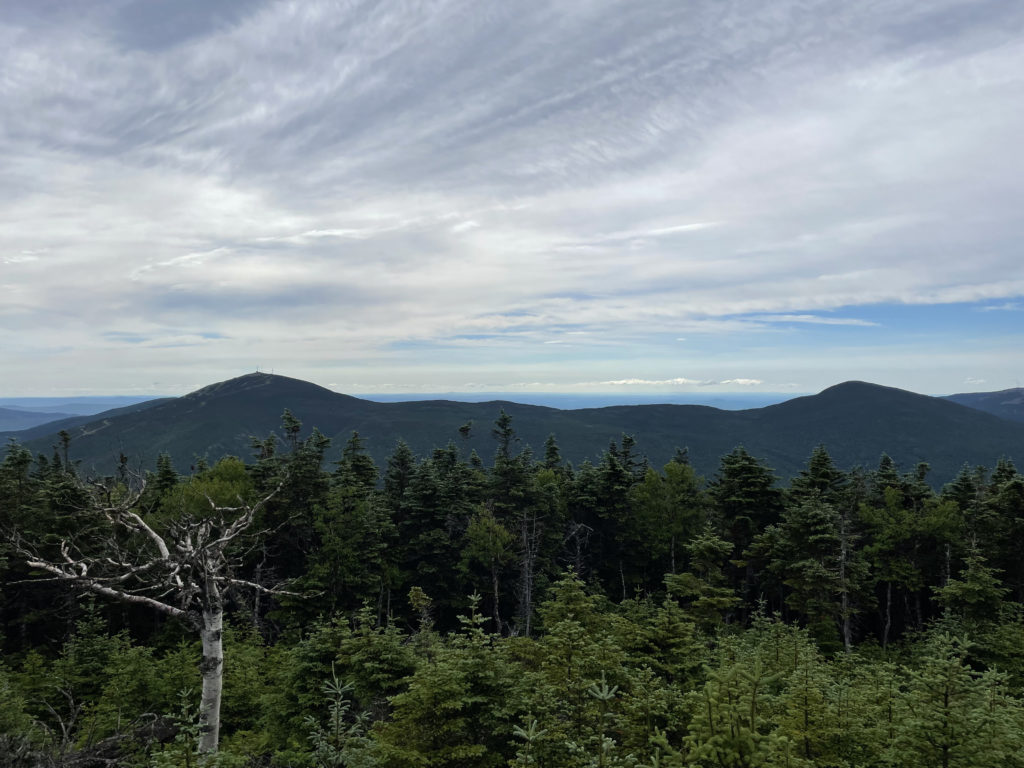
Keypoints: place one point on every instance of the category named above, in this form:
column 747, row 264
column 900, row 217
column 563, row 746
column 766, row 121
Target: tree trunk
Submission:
column 497, row 597
column 844, row 587
column 528, row 544
column 212, row 668
column 888, row 615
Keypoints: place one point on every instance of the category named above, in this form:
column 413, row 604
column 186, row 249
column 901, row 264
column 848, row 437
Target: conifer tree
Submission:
column 977, row 594
column 746, row 501
column 488, row 543
column 670, row 508
column 821, row 478
column 704, row 591
column 576, row 648
column 804, row 552
column 954, row 717
column 356, row 470
column 728, row 728
column 460, row 705
column 892, row 552
column 552, row 455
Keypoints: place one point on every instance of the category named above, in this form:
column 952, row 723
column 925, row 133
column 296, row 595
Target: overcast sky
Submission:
column 567, row 196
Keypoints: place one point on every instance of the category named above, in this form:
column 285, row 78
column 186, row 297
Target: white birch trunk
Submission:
column 199, row 547
column 212, row 667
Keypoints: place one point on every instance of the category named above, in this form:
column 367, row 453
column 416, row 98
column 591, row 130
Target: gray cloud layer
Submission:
column 386, row 187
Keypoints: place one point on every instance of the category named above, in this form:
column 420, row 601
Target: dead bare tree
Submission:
column 182, row 568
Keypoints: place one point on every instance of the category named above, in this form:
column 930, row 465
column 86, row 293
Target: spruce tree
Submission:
column 746, row 501
column 954, row 717
column 704, row 591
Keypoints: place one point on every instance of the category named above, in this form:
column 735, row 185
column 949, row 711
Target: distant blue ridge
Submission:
column 568, row 401
column 727, row 401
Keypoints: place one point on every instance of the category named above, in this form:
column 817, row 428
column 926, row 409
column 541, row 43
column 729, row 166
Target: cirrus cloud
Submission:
column 322, row 187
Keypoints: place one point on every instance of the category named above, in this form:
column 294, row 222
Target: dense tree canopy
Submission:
column 443, row 611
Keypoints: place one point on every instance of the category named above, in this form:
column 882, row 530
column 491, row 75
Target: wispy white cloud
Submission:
column 678, row 381
column 465, row 226
column 815, row 320
column 24, row 257
column 336, row 186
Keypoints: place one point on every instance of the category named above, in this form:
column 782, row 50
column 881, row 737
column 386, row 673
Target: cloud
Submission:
column 24, row 257
column 679, row 381
column 352, row 186
column 676, row 382
column 815, row 320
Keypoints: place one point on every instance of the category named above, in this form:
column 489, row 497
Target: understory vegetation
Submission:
column 446, row 611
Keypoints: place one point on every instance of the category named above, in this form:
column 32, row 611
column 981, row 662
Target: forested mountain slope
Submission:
column 1006, row 404
column 48, row 429
column 856, row 420
column 12, row 419
column 448, row 611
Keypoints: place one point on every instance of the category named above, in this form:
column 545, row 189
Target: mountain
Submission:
column 856, row 421
column 13, row 419
column 49, row 429
column 71, row 406
column 1007, row 404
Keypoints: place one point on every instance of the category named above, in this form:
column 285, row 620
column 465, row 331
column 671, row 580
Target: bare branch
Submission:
column 232, row 581
column 157, row 540
column 185, row 578
column 99, row 588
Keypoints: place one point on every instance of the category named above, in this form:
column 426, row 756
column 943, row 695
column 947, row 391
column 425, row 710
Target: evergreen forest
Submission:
column 457, row 611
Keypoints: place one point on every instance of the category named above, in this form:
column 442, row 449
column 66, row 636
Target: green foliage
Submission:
column 489, row 546
column 895, row 641
column 953, row 716
column 183, row 751
column 670, row 509
column 804, row 552
column 15, row 722
column 459, row 707
column 227, row 483
column 703, row 591
column 977, row 594
column 340, row 741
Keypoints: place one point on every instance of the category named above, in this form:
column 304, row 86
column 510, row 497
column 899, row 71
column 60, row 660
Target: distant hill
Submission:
column 70, row 422
column 1007, row 404
column 12, row 419
column 856, row 421
column 72, row 406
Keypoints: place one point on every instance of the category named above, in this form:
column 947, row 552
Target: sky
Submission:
column 447, row 196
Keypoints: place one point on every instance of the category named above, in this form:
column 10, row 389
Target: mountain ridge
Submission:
column 17, row 419
column 1006, row 403
column 856, row 421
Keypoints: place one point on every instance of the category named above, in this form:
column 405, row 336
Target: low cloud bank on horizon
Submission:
column 625, row 194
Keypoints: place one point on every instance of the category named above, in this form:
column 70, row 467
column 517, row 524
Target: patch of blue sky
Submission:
column 126, row 337
column 989, row 318
column 878, row 323
column 571, row 295
column 454, row 342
